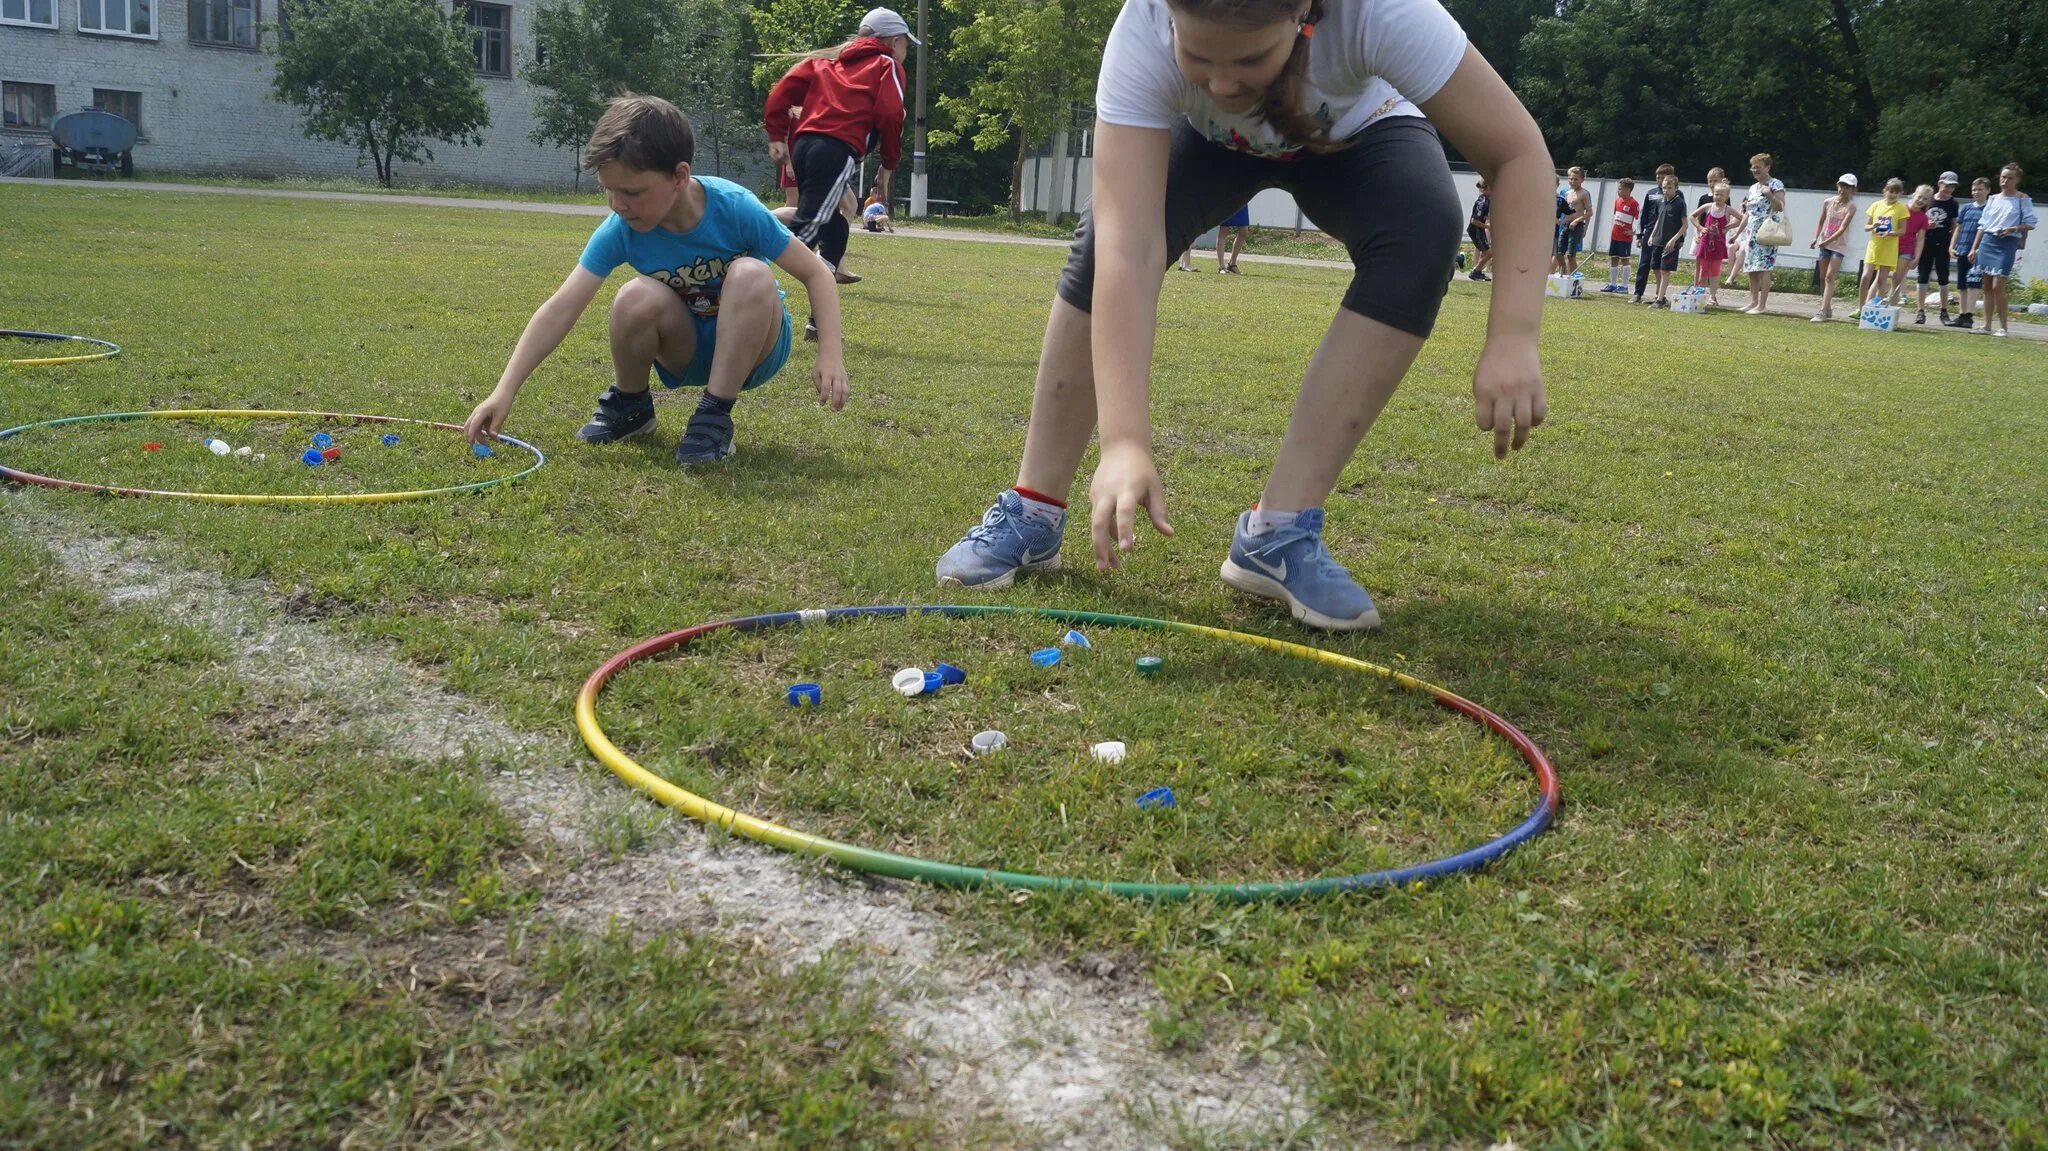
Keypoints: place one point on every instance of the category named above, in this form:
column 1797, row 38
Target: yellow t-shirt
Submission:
column 1887, row 222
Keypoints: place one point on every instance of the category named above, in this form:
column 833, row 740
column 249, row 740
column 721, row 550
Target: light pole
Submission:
column 918, row 188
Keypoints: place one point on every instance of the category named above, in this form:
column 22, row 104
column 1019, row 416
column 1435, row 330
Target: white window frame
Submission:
column 480, row 35
column 127, row 16
column 28, row 8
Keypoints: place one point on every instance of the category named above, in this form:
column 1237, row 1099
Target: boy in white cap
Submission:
column 1935, row 244
column 851, row 101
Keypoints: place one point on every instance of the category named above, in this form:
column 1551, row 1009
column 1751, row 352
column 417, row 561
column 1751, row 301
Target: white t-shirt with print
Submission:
column 1368, row 59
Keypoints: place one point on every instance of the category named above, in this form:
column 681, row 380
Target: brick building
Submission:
column 195, row 77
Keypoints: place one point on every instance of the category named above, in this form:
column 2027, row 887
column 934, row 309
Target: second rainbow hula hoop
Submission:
column 7, row 473
column 954, row 875
column 107, row 349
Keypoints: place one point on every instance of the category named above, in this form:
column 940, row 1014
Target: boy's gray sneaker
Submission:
column 619, row 416
column 1006, row 542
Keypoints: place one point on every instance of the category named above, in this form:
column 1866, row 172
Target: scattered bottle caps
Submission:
column 331, row 454
column 1157, row 797
column 390, row 438
column 312, row 458
column 1074, row 638
column 1046, row 656
column 805, row 694
column 152, row 446
column 989, row 742
column 1148, row 664
column 217, row 447
column 322, row 440
column 950, row 674
column 480, row 451
column 1110, row 751
column 908, row 682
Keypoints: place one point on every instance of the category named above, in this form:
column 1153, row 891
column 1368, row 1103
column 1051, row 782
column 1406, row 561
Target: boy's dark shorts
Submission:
column 1480, row 240
column 1621, row 249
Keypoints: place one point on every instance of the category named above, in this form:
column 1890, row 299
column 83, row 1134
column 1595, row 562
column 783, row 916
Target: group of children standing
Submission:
column 1931, row 232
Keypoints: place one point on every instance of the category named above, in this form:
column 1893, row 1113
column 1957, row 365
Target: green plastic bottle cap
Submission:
column 1150, row 664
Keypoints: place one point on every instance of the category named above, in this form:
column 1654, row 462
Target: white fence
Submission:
column 1063, row 182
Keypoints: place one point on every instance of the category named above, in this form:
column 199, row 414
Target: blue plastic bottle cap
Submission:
column 390, row 438
column 1157, row 797
column 1075, row 639
column 950, row 674
column 933, row 681
column 802, row 694
column 1046, row 656
column 313, row 458
column 480, row 450
column 322, row 440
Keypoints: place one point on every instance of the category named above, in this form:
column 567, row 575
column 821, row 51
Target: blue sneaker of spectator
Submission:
column 619, row 415
column 1006, row 542
column 1291, row 564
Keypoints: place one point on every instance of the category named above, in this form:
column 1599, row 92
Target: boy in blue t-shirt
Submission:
column 704, row 311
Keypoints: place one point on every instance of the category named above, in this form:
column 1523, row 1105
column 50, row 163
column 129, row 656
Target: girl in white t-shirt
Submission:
column 1200, row 104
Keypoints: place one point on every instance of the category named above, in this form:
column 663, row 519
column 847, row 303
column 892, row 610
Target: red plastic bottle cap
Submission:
column 331, row 454
column 152, row 447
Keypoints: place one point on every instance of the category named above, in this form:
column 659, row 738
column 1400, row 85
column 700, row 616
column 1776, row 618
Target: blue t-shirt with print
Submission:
column 735, row 224
column 1966, row 225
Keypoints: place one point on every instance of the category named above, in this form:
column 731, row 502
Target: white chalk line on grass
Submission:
column 1065, row 1057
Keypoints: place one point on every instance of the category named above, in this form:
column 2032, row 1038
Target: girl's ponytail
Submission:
column 1282, row 107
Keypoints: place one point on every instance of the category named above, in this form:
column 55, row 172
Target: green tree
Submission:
column 592, row 50
column 786, row 29
column 1031, row 61
column 714, row 64
column 384, row 75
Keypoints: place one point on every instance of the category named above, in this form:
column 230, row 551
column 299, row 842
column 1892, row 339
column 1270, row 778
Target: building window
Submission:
column 490, row 26
column 27, row 106
column 126, row 105
column 226, row 23
column 38, row 13
column 121, row 17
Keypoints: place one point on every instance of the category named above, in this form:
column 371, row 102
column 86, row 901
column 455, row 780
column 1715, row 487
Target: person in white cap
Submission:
column 1934, row 246
column 851, row 101
column 1831, row 240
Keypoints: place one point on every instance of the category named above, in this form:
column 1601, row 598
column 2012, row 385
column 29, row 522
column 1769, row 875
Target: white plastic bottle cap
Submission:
column 1110, row 751
column 243, row 452
column 909, row 681
column 218, row 447
column 989, row 742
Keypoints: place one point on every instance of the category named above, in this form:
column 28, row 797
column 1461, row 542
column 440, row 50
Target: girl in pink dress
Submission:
column 1715, row 219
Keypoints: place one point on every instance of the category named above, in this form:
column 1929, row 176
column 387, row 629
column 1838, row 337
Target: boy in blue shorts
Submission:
column 704, row 310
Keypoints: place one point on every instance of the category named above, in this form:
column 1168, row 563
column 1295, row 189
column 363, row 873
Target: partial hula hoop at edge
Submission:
column 7, row 473
column 108, row 349
column 954, row 875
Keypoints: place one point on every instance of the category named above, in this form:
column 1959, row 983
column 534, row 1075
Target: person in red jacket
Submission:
column 852, row 104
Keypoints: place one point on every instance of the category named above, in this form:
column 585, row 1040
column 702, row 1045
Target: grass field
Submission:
column 1771, row 595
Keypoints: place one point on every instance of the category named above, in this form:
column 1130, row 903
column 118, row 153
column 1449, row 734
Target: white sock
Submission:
column 1041, row 512
column 1263, row 522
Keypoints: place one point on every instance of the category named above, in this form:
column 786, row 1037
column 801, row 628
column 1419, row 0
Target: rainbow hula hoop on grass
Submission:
column 108, row 349
column 955, row 875
column 7, row 473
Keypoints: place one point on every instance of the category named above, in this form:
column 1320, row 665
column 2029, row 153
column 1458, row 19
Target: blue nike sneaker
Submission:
column 1007, row 541
column 1291, row 564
